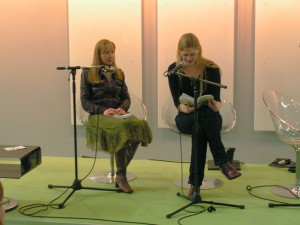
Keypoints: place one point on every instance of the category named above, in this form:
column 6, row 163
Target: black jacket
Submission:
column 96, row 98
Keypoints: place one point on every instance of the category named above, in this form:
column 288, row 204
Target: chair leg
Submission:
column 109, row 176
column 290, row 190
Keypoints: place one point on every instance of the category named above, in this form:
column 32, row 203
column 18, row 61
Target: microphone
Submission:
column 178, row 67
column 110, row 69
column 90, row 67
column 103, row 68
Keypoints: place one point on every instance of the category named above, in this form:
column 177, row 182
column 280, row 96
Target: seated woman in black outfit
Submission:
column 209, row 118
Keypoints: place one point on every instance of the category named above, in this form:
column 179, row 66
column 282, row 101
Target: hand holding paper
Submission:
column 187, row 99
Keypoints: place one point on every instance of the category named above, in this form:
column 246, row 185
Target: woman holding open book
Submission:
column 193, row 66
column 104, row 95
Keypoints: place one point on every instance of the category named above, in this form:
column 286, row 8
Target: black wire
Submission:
column 181, row 163
column 24, row 209
column 249, row 188
column 96, row 151
column 171, row 161
column 192, row 214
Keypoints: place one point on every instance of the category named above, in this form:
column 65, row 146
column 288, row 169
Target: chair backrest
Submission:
column 137, row 108
column 285, row 114
column 227, row 111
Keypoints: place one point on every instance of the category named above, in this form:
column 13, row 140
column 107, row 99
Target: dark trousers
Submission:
column 208, row 132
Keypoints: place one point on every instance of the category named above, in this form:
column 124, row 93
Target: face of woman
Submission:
column 189, row 55
column 108, row 56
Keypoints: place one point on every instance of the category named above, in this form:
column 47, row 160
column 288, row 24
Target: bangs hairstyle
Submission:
column 102, row 46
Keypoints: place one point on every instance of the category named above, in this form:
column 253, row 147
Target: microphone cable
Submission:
column 39, row 207
column 250, row 189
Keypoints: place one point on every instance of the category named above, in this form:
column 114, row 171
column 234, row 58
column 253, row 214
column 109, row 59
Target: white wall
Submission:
column 118, row 21
column 35, row 97
column 276, row 54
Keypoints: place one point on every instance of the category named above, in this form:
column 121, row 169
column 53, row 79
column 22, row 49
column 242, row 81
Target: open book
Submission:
column 127, row 115
column 186, row 99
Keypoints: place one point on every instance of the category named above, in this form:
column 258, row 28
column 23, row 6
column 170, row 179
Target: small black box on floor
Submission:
column 16, row 163
column 230, row 153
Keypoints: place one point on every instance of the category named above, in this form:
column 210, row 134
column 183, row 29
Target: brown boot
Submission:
column 130, row 152
column 122, row 183
column 192, row 194
column 229, row 171
column 121, row 179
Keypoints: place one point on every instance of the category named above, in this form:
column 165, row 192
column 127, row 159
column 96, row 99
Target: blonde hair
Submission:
column 190, row 40
column 101, row 47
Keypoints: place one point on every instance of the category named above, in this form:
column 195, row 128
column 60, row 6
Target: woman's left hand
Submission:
column 120, row 111
column 111, row 112
column 214, row 105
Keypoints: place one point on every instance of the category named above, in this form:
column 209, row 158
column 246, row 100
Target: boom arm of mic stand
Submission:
column 78, row 67
column 205, row 81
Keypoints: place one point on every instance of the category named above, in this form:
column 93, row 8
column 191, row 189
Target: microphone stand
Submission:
column 76, row 183
column 197, row 198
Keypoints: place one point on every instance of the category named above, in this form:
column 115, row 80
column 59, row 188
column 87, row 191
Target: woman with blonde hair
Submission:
column 104, row 95
column 209, row 119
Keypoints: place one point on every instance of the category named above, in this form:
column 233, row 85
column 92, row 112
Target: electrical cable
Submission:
column 249, row 188
column 44, row 207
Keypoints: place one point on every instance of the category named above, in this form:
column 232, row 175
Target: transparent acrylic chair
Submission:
column 137, row 108
column 285, row 114
column 169, row 112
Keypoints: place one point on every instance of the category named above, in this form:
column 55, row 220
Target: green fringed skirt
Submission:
column 110, row 134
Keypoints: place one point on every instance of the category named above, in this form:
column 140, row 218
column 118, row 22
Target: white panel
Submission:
column 212, row 21
column 116, row 20
column 277, row 54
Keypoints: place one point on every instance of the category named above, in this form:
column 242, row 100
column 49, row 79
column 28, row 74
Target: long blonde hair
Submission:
column 101, row 47
column 190, row 40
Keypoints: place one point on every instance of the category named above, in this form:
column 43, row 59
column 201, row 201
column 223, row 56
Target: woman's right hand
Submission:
column 110, row 112
column 185, row 108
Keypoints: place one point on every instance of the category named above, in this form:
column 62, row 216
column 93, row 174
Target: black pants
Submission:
column 209, row 127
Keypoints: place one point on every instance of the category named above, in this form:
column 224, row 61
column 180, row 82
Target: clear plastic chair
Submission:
column 137, row 108
column 285, row 114
column 169, row 112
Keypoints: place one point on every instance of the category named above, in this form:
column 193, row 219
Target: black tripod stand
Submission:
column 76, row 183
column 196, row 197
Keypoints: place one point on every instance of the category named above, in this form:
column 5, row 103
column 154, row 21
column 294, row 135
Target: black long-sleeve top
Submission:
column 181, row 84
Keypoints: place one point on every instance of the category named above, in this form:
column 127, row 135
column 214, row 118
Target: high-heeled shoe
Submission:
column 122, row 183
column 229, row 171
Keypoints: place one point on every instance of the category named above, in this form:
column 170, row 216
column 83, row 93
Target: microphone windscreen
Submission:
column 183, row 63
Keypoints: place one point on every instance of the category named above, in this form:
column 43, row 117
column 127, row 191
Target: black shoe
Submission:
column 292, row 167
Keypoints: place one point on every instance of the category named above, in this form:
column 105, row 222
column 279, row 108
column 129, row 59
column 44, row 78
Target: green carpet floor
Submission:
column 154, row 197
